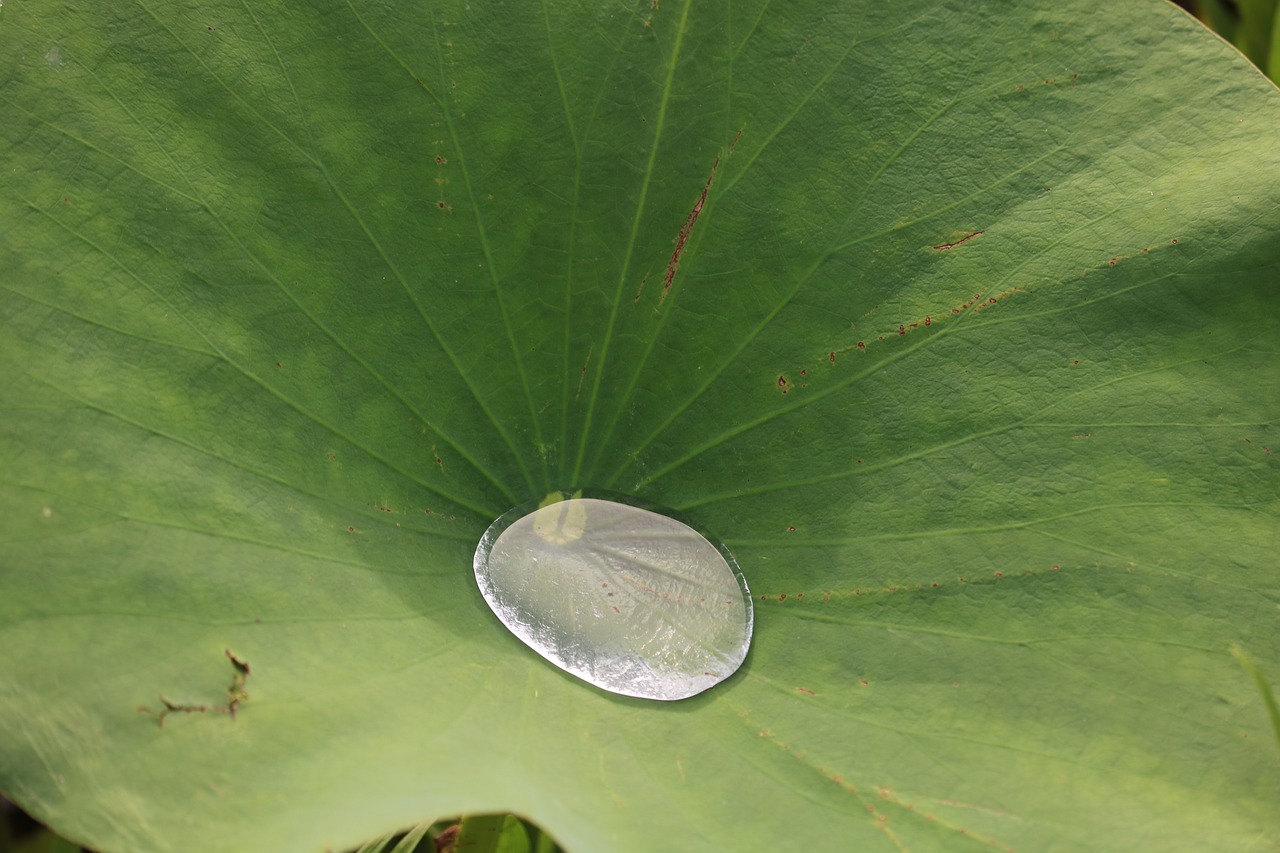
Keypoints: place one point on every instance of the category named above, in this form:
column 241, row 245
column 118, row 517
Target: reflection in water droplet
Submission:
column 628, row 599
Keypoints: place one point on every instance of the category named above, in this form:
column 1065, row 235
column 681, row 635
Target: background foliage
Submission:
column 1251, row 25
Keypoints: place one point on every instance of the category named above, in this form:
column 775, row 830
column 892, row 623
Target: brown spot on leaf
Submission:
column 689, row 221
column 942, row 247
column 236, row 695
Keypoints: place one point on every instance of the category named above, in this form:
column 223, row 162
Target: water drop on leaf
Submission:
column 623, row 597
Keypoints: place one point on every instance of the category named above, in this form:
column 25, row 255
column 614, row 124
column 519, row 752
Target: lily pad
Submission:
column 956, row 322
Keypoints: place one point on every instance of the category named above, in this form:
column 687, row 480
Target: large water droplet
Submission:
column 626, row 598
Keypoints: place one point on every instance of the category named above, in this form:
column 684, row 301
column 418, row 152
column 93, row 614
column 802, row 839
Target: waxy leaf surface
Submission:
column 957, row 322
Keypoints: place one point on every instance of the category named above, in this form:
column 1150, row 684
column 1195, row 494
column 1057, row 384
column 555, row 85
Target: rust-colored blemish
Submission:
column 689, row 221
column 942, row 247
column 236, row 695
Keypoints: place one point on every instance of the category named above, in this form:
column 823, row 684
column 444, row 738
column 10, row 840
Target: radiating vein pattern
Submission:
column 953, row 321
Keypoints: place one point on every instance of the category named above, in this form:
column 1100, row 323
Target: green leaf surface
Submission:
column 956, row 321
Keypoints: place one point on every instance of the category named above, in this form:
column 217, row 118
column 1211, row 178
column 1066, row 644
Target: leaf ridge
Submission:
column 485, row 249
column 751, row 336
column 213, row 215
column 625, row 266
column 254, row 379
column 248, row 469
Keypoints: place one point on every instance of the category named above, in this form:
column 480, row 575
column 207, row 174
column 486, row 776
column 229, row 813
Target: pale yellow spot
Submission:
column 558, row 521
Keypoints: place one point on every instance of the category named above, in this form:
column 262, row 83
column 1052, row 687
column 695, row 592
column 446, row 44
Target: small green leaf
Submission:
column 378, row 845
column 1264, row 687
column 491, row 834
